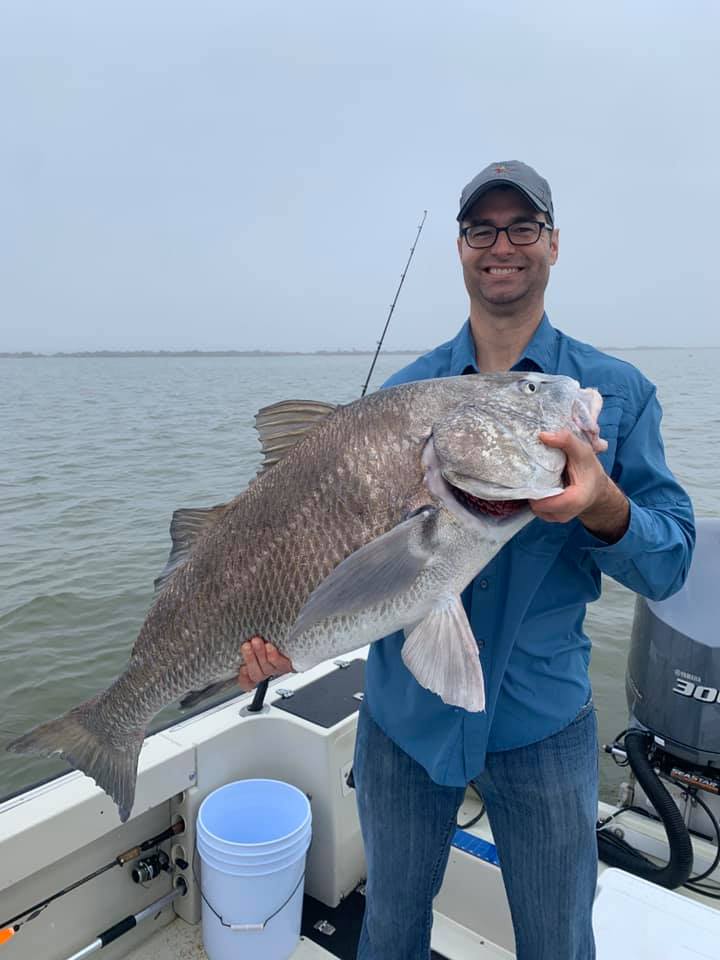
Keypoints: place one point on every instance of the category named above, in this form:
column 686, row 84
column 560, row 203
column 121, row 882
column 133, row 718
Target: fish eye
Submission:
column 528, row 386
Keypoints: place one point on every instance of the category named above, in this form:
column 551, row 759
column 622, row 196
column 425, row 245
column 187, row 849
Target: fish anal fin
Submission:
column 282, row 425
column 186, row 527
column 197, row 696
column 442, row 654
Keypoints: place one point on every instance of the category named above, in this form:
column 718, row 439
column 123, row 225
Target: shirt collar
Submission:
column 462, row 357
column 540, row 354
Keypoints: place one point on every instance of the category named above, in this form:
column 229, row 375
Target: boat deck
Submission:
column 472, row 918
column 451, row 940
column 616, row 911
column 664, row 918
column 183, row 941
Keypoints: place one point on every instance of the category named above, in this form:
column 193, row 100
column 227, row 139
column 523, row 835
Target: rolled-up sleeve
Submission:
column 653, row 557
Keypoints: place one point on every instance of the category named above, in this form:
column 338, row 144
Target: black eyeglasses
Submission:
column 520, row 234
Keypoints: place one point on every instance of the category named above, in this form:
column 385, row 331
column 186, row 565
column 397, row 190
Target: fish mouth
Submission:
column 585, row 410
column 480, row 507
column 461, row 502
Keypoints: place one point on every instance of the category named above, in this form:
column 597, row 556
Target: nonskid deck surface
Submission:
column 326, row 933
column 337, row 929
column 183, row 941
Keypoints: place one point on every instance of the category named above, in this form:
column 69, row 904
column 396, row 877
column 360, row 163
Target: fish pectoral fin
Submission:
column 377, row 572
column 282, row 425
column 442, row 654
column 185, row 528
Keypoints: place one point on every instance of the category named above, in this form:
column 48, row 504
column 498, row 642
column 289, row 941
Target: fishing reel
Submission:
column 151, row 867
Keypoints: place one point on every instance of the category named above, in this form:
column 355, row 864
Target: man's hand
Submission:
column 262, row 660
column 590, row 494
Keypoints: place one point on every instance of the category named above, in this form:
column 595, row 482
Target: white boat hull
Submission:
column 57, row 833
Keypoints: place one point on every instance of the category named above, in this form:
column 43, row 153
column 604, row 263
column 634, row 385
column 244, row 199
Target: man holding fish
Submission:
column 532, row 752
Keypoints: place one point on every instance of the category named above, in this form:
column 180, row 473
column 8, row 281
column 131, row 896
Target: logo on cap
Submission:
column 500, row 169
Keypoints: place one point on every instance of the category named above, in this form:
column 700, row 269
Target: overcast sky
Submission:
column 242, row 174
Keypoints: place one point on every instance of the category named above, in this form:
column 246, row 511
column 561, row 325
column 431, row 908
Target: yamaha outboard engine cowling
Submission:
column 673, row 689
column 673, row 674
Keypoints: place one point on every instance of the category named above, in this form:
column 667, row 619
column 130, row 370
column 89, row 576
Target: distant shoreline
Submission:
column 27, row 355
column 159, row 354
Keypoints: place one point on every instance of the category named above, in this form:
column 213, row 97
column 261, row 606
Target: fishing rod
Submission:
column 130, row 922
column 392, row 305
column 11, row 926
column 262, row 688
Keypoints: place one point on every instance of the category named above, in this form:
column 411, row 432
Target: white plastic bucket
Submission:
column 252, row 838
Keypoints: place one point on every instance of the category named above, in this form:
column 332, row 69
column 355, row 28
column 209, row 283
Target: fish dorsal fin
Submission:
column 185, row 527
column 282, row 425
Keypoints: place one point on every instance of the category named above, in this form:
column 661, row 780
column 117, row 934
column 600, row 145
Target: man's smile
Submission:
column 501, row 271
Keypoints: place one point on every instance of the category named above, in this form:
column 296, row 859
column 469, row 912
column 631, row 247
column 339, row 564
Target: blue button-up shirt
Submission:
column 527, row 606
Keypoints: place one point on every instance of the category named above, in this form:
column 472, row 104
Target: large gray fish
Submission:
column 365, row 519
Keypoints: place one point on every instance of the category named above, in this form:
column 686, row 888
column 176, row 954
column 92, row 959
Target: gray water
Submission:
column 97, row 453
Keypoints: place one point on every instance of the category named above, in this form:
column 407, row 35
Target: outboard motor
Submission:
column 673, row 692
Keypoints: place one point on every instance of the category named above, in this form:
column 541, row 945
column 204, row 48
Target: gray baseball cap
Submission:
column 509, row 173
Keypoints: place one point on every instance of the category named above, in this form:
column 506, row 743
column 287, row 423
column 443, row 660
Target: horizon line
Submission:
column 61, row 354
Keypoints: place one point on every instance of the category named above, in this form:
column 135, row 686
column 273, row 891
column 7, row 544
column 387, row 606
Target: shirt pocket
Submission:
column 609, row 422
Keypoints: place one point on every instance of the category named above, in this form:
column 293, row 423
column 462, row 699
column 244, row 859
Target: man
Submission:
column 533, row 752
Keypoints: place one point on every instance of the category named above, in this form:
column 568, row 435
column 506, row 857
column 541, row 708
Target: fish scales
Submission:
column 246, row 584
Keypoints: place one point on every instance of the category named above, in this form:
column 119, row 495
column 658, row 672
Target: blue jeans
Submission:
column 542, row 804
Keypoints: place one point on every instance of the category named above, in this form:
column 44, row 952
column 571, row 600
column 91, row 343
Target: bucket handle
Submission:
column 242, row 927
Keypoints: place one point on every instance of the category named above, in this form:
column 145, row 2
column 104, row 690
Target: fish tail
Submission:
column 79, row 737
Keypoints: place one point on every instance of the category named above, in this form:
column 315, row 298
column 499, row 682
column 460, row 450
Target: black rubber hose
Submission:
column 677, row 870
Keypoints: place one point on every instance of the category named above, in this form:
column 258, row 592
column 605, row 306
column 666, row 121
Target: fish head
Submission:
column 488, row 450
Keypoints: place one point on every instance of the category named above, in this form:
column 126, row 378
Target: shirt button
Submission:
column 483, row 584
